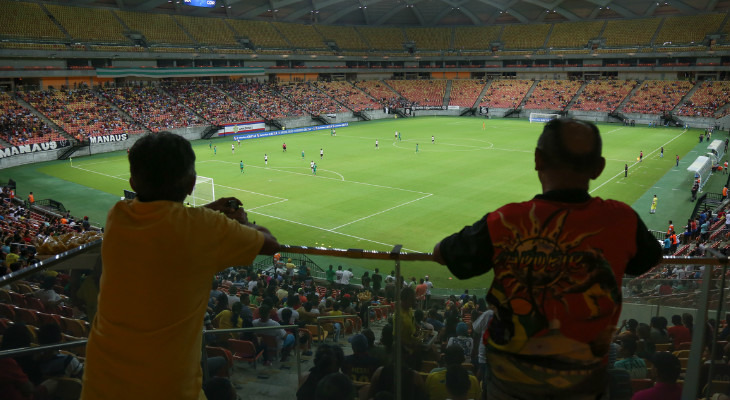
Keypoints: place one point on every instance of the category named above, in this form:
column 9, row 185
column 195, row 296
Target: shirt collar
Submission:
column 565, row 195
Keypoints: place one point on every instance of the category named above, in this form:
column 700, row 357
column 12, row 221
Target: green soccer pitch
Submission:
column 369, row 198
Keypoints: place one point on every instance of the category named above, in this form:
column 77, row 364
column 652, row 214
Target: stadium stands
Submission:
column 688, row 29
column 310, row 99
column 261, row 33
column 476, row 37
column 655, row 97
column 209, row 102
column 603, row 95
column 430, row 38
column 354, row 98
column 80, row 113
column 421, row 92
column 14, row 17
column 209, row 31
column 346, row 37
column 634, row 32
column 521, row 36
column 464, row 93
column 383, row 38
column 262, row 99
column 552, row 94
column 379, row 91
column 574, row 34
column 19, row 125
column 301, row 36
column 89, row 24
column 706, row 100
column 156, row 28
column 152, row 108
column 506, row 93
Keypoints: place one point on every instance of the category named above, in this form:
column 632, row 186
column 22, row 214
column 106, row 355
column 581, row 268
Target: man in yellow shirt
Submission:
column 147, row 345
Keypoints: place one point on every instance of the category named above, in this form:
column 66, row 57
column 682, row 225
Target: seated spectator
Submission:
column 334, row 386
column 462, row 339
column 374, row 350
column 284, row 341
column 327, row 360
column 679, row 333
column 459, row 384
column 383, row 384
column 437, row 378
column 360, row 366
column 218, row 388
column 667, row 369
column 229, row 319
column 14, row 382
column 53, row 364
column 630, row 361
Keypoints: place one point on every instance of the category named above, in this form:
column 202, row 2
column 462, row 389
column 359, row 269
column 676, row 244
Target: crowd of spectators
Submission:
column 603, row 95
column 506, row 93
column 421, row 92
column 350, row 96
column 152, row 108
column 80, row 113
column 209, row 102
column 706, row 100
column 656, row 97
column 18, row 125
column 310, row 99
column 552, row 94
column 262, row 98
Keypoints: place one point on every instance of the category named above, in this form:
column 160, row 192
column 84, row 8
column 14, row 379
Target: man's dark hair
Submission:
column 457, row 380
column 676, row 320
column 667, row 366
column 162, row 167
column 49, row 334
column 334, row 386
column 560, row 151
column 629, row 345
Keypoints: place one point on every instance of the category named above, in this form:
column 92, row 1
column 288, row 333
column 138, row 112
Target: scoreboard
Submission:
column 200, row 3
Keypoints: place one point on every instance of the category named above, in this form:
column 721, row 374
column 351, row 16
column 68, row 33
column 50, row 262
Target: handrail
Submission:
column 36, row 349
column 49, row 262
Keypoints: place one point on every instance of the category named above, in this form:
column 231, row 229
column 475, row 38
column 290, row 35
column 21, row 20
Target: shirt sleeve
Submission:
column 648, row 251
column 469, row 252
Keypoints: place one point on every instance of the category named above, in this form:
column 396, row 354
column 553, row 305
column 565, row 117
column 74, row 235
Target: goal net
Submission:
column 203, row 193
column 538, row 117
column 702, row 168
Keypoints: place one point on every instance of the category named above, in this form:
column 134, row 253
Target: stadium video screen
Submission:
column 200, row 3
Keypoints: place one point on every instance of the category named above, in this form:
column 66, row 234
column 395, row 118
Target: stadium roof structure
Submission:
column 421, row 12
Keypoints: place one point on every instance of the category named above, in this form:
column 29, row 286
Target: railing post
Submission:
column 395, row 254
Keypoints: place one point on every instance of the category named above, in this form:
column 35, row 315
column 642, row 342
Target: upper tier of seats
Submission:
column 89, row 24
column 530, row 36
column 346, row 37
column 421, row 92
column 156, row 28
column 465, row 92
column 604, row 95
column 552, row 94
column 301, row 36
column 476, row 37
column 210, row 31
column 655, row 97
column 506, row 93
column 383, row 38
column 574, row 34
column 152, row 108
column 80, row 113
column 430, row 38
column 634, row 32
column 26, row 20
column 688, row 29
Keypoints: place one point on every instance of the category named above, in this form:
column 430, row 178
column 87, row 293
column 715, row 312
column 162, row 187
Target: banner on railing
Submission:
column 242, row 127
column 31, row 148
column 289, row 131
column 108, row 138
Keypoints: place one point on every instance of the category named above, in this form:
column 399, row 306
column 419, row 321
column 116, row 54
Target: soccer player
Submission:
column 376, row 144
column 484, row 125
column 652, row 210
column 677, row 157
column 210, row 146
column 626, row 170
column 266, row 159
column 641, row 155
column 239, row 142
column 396, row 135
column 314, row 169
column 233, row 148
column 302, row 154
column 241, row 164
column 321, row 154
column 283, row 147
column 215, row 150
column 311, row 166
column 399, row 139
column 416, row 147
column 433, row 139
column 661, row 153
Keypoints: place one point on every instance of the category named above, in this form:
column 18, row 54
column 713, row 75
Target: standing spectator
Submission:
column 338, row 276
column 520, row 241
column 31, row 198
column 420, row 290
column 462, row 339
column 429, row 286
column 377, row 282
column 365, row 280
column 164, row 235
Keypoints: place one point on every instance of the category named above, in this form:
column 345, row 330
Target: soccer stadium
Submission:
column 341, row 145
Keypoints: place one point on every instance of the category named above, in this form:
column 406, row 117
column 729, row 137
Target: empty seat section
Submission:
column 574, row 34
column 211, row 31
column 506, row 93
column 421, row 92
column 156, row 28
column 552, row 94
column 26, row 21
column 530, row 36
column 476, row 37
column 301, row 36
column 346, row 37
column 430, row 38
column 655, row 97
column 89, row 24
column 688, row 29
column 383, row 38
column 603, row 95
column 464, row 92
column 635, row 32
column 261, row 33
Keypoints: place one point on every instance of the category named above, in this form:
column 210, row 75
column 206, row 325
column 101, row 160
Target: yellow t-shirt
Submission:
column 145, row 343
column 436, row 386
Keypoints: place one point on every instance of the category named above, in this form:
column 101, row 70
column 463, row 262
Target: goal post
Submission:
column 539, row 117
column 203, row 192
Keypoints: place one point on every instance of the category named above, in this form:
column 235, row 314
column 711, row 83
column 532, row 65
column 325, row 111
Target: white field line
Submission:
column 380, row 212
column 632, row 165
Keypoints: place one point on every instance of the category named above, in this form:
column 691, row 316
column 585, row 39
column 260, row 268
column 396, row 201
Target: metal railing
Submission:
column 691, row 382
